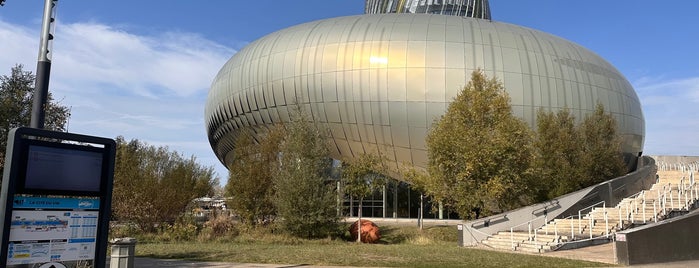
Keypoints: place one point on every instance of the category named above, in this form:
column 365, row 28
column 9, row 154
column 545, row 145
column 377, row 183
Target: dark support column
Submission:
column 395, row 199
column 41, row 91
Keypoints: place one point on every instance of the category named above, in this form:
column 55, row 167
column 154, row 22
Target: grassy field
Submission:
column 399, row 247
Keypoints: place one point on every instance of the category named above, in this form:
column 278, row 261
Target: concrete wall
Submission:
column 675, row 159
column 675, row 239
column 611, row 192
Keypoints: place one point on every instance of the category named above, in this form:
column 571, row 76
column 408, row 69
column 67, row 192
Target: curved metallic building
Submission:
column 378, row 81
column 464, row 8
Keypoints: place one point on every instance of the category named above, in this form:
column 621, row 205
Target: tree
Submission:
column 250, row 182
column 601, row 148
column 557, row 154
column 479, row 153
column 361, row 178
column 571, row 157
column 16, row 99
column 304, row 199
column 153, row 185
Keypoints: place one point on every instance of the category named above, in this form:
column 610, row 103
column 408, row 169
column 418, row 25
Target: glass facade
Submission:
column 396, row 200
column 377, row 82
column 464, row 8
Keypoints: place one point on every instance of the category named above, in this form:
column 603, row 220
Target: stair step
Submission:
column 639, row 207
column 499, row 244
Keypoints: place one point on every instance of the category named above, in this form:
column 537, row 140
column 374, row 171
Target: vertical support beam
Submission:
column 395, row 199
column 383, row 201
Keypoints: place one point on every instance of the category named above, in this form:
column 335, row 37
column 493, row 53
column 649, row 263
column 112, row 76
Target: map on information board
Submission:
column 52, row 230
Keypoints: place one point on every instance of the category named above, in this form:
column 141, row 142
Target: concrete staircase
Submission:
column 674, row 193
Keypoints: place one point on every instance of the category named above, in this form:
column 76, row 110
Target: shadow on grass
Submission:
column 189, row 255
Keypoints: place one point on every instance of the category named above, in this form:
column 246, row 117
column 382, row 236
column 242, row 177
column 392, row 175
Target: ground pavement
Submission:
column 605, row 253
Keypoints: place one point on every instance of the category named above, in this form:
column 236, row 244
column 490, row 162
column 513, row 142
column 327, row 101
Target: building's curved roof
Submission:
column 377, row 82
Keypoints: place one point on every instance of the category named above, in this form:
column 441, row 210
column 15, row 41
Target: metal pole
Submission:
column 43, row 66
column 383, row 201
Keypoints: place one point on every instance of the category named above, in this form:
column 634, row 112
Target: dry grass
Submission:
column 400, row 246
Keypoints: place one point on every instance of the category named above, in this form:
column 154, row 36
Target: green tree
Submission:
column 304, row 198
column 479, row 152
column 250, row 182
column 570, row 157
column 601, row 148
column 557, row 154
column 16, row 98
column 361, row 178
column 153, row 185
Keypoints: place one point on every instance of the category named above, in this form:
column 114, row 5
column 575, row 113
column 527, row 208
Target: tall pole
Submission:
column 43, row 66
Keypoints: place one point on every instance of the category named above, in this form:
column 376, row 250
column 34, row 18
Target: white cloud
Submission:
column 19, row 46
column 670, row 107
column 172, row 63
column 151, row 88
column 660, row 92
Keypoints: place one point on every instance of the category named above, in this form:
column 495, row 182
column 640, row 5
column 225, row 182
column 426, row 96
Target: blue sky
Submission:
column 142, row 69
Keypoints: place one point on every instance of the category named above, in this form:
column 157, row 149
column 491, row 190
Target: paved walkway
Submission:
column 600, row 253
column 606, row 253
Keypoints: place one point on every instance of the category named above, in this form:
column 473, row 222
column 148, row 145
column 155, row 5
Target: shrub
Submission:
column 184, row 229
column 220, row 228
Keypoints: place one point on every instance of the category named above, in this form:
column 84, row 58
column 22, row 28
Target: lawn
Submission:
column 400, row 247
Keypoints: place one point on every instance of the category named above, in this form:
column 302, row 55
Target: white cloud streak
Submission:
column 151, row 88
column 670, row 107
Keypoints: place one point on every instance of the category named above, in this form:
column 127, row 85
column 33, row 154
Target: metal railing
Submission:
column 530, row 237
column 664, row 198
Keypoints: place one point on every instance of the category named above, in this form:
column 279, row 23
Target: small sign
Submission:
column 460, row 227
column 621, row 237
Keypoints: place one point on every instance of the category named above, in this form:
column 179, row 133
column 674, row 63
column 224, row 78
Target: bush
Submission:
column 120, row 230
column 220, row 228
column 184, row 229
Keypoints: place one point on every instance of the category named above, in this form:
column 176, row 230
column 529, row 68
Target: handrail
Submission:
column 687, row 199
column 592, row 206
column 484, row 220
column 529, row 230
column 481, row 232
column 589, row 213
column 572, row 226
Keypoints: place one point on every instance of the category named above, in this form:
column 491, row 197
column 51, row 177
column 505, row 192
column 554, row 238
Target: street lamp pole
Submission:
column 43, row 66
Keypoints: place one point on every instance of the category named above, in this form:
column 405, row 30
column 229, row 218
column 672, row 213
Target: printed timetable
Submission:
column 52, row 229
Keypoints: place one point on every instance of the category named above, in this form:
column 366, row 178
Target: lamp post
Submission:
column 43, row 66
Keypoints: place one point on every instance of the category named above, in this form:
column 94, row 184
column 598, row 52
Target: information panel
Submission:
column 55, row 199
column 59, row 229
